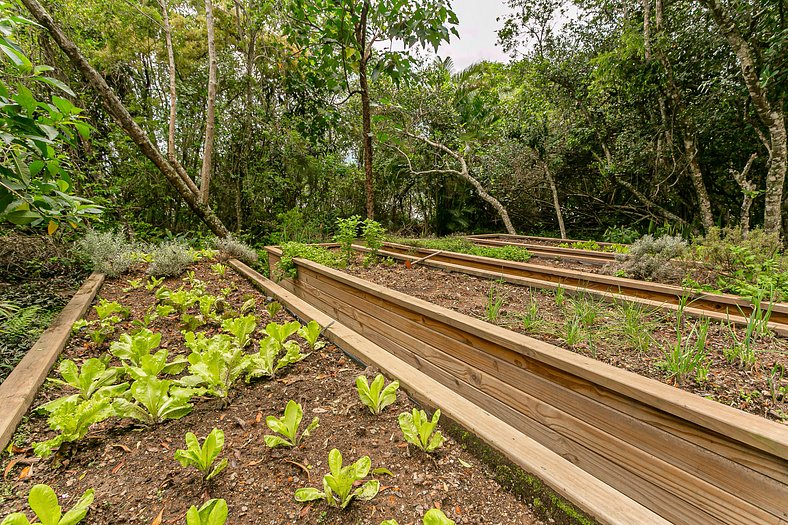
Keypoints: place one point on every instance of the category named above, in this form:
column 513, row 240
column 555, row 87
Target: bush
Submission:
column 170, row 258
column 236, row 249
column 109, row 252
column 650, row 258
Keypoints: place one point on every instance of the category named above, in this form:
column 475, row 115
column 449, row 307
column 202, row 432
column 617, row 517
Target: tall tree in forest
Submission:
column 210, row 113
column 341, row 40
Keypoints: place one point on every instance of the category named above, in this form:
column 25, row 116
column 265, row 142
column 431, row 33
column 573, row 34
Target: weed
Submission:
column 560, row 296
column 495, row 301
column 586, row 310
column 532, row 318
column 573, row 330
column 634, row 326
column 688, row 355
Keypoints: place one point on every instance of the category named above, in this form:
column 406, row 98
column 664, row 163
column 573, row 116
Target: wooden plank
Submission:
column 598, row 500
column 500, row 380
column 592, row 257
column 749, row 429
column 20, row 387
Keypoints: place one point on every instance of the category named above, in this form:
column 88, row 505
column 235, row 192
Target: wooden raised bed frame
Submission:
column 688, row 459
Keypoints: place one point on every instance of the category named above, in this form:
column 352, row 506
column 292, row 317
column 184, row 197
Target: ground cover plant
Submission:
column 128, row 458
column 461, row 245
column 730, row 364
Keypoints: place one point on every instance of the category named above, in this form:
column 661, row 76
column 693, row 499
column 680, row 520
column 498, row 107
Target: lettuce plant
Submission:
column 155, row 400
column 133, row 347
column 338, row 485
column 202, row 457
column 72, row 419
column 280, row 332
column 153, row 282
column 273, row 308
column 163, row 310
column 310, row 332
column 215, row 363
column 149, row 316
column 43, row 502
column 374, row 396
column 266, row 362
column 219, row 269
column 106, row 309
column 418, row 429
column 192, row 322
column 92, row 379
column 241, row 328
column 288, row 427
column 181, row 299
column 207, row 304
column 212, row 512
column 155, row 364
column 432, row 517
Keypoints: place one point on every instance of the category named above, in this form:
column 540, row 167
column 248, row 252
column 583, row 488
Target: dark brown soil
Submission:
column 135, row 476
column 760, row 389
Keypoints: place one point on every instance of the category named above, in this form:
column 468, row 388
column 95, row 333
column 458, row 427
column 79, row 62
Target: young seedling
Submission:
column 133, row 285
column 338, row 485
column 241, row 328
column 153, row 282
column 288, row 427
column 418, row 429
column 202, row 457
column 265, row 362
column 248, row 306
column 273, row 308
column 215, row 363
column 155, row 364
column 531, row 318
column 375, row 396
column 72, row 419
column 163, row 310
column 212, row 512
column 155, row 400
column 573, row 330
column 132, row 347
column 93, row 379
column 43, row 502
column 219, row 269
column 432, row 517
column 106, row 310
column 560, row 296
column 310, row 333
column 688, row 355
column 495, row 300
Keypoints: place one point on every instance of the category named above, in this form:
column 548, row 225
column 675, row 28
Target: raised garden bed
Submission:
column 687, row 458
column 136, row 479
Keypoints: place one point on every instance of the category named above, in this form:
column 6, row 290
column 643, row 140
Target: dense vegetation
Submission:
column 274, row 117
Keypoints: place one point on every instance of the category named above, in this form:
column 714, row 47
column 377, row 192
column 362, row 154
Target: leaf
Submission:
column 79, row 510
column 436, row 517
column 52, row 227
column 308, row 494
column 381, row 471
column 157, row 520
column 58, row 84
column 43, row 501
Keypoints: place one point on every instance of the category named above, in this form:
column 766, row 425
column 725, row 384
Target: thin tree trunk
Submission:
column 704, row 203
column 647, row 28
column 124, row 118
column 771, row 114
column 748, row 189
column 210, row 117
column 366, row 118
column 554, row 190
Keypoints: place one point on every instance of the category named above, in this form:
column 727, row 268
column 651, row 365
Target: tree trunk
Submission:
column 704, row 203
column 748, row 189
column 210, row 117
column 647, row 28
column 124, row 118
column 556, row 203
column 771, row 114
column 366, row 118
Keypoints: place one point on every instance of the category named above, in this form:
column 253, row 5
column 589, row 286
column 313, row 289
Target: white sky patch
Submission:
column 478, row 33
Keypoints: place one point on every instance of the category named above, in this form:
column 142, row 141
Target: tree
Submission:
column 338, row 38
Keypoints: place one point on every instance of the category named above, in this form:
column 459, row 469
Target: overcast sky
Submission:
column 478, row 32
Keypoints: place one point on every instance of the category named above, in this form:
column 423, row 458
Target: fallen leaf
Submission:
column 10, row 466
column 118, row 467
column 165, row 445
column 122, row 446
column 259, row 417
column 304, row 511
column 465, row 463
column 25, row 473
column 157, row 519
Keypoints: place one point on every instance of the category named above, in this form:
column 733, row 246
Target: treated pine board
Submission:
column 571, row 254
column 535, row 238
column 19, row 389
column 603, row 503
column 564, row 428
column 737, row 425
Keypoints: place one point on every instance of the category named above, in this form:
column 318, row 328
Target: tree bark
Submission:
column 366, row 117
column 647, row 28
column 210, row 117
column 556, row 203
column 124, row 118
column 771, row 114
column 748, row 189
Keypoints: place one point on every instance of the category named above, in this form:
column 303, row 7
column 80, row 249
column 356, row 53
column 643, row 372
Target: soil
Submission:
column 135, row 476
column 761, row 389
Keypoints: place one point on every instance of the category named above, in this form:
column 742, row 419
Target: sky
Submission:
column 478, row 32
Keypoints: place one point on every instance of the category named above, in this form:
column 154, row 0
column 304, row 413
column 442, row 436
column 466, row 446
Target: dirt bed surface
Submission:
column 638, row 346
column 135, row 477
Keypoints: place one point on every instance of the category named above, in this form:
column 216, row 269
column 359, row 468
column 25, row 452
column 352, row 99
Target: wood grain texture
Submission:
column 19, row 389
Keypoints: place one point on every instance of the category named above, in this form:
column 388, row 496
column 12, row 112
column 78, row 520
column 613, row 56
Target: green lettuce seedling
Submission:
column 280, row 332
column 163, row 310
column 93, row 379
column 418, row 429
column 374, row 396
column 182, row 299
column 202, row 457
column 338, row 485
column 192, row 322
column 106, row 309
column 432, row 517
column 213, row 512
column 241, row 328
column 288, row 427
column 273, row 308
column 43, row 502
column 72, row 419
column 248, row 306
column 133, row 347
column 215, row 363
column 155, row 400
column 310, row 332
column 155, row 364
column 265, row 363
column 153, row 282
column 219, row 269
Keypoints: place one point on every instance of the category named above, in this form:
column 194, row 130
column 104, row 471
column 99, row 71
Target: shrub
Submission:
column 236, row 249
column 109, row 252
column 170, row 258
column 286, row 267
column 650, row 258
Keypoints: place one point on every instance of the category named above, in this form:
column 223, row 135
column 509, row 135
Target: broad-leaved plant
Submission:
column 287, row 426
column 375, row 396
column 202, row 457
column 43, row 502
column 419, row 430
column 338, row 485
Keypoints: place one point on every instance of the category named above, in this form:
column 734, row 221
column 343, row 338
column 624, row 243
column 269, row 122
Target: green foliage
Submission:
column 153, row 283
column 688, row 355
column 273, row 308
column 109, row 251
column 595, row 246
column 634, row 326
column 373, row 234
column 560, row 296
column 620, row 235
column 35, row 185
column 461, row 245
column 495, row 301
column 202, row 457
column 375, row 396
column 72, row 419
column 155, row 365
column 266, row 363
column 212, row 512
column 338, row 485
column 419, row 430
column 286, row 267
column 346, row 235
column 134, row 347
column 532, row 318
column 310, row 332
column 215, row 363
column 170, row 258
column 43, row 502
column 650, row 259
column 573, row 330
column 236, row 249
column 287, row 426
column 92, row 379
column 432, row 517
column 241, row 328
column 155, row 400
column 280, row 332
column 106, row 309
column 586, row 309
column 219, row 269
